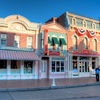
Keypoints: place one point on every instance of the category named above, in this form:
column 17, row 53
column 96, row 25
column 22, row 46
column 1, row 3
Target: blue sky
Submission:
column 41, row 10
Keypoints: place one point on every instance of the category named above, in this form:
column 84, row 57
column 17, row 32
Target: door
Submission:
column 43, row 69
column 84, row 68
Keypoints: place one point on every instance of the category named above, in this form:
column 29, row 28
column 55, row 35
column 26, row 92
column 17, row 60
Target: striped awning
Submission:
column 17, row 55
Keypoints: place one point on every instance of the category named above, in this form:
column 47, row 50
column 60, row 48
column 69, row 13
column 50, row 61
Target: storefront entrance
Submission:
column 44, row 69
column 83, row 66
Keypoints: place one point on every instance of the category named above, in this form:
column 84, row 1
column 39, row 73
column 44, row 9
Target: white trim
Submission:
column 94, row 39
column 74, row 35
column 85, row 37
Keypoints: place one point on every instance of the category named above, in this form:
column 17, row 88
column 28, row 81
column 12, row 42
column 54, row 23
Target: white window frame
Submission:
column 29, row 42
column 4, row 37
column 17, row 39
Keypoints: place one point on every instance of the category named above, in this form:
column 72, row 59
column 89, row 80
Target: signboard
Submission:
column 54, row 53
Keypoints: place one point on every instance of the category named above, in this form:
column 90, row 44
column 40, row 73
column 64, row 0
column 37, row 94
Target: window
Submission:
column 94, row 26
column 17, row 41
column 57, row 66
column 29, row 42
column 3, row 39
column 73, row 21
column 84, row 23
column 85, row 43
column 62, row 42
column 95, row 45
column 28, row 66
column 74, row 63
column 3, row 66
column 15, row 66
column 74, row 42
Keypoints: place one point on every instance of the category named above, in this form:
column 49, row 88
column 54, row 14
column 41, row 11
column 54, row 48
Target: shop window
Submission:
column 57, row 66
column 3, row 66
column 85, row 43
column 29, row 42
column 93, row 65
column 28, row 66
column 74, row 42
column 17, row 41
column 15, row 66
column 3, row 39
column 75, row 65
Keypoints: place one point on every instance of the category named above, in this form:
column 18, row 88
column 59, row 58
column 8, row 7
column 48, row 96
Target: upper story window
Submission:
column 74, row 42
column 94, row 26
column 29, row 42
column 95, row 45
column 62, row 42
column 3, row 39
column 17, row 41
column 84, row 24
column 85, row 43
column 73, row 21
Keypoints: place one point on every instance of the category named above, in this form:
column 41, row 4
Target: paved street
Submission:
column 79, row 93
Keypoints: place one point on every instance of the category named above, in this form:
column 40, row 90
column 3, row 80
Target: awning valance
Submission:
column 55, row 40
column 17, row 55
column 62, row 41
column 49, row 41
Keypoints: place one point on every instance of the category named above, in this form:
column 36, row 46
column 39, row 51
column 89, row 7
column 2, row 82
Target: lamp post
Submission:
column 53, row 81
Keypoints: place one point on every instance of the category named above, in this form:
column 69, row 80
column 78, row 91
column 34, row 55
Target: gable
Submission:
column 54, row 27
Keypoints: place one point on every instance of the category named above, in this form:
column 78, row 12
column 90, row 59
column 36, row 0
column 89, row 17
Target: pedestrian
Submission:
column 97, row 74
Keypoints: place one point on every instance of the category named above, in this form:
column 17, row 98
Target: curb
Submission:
column 48, row 88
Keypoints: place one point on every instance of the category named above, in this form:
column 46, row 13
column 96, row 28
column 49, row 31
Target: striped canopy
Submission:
column 17, row 55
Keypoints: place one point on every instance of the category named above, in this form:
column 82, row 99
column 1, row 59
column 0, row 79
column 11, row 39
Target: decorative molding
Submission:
column 74, row 35
column 85, row 37
column 94, row 39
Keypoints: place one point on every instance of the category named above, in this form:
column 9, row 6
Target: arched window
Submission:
column 73, row 21
column 93, row 25
column 84, row 23
column 85, row 43
column 74, row 42
column 95, row 45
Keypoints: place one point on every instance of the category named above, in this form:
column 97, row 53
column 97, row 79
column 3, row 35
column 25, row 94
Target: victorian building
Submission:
column 53, row 50
column 83, row 40
column 18, row 48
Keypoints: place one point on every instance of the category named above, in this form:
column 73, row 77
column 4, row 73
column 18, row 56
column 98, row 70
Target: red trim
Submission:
column 46, row 42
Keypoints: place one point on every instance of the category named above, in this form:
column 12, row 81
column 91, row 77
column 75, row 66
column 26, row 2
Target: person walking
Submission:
column 97, row 74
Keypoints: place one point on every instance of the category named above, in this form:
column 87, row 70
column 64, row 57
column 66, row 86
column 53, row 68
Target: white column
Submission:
column 22, row 67
column 78, row 64
column 8, row 67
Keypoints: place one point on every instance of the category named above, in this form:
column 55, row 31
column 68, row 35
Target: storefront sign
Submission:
column 54, row 53
column 86, row 52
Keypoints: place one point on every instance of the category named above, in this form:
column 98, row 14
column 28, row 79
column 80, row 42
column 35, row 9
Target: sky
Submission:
column 39, row 11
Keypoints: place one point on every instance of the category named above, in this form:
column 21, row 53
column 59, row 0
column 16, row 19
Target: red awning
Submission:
column 18, row 55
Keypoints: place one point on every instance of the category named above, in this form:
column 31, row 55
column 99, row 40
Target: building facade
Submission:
column 83, row 44
column 18, row 48
column 53, row 50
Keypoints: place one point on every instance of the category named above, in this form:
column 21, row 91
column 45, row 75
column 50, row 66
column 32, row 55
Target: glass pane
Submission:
column 57, row 69
column 3, row 66
column 62, row 69
column 28, row 66
column 57, row 63
column 53, row 69
column 41, row 66
column 53, row 63
column 62, row 63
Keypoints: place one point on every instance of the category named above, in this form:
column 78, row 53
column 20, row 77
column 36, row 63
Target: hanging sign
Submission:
column 91, row 33
column 54, row 53
column 81, row 31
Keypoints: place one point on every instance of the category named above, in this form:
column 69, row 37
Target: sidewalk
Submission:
column 45, row 83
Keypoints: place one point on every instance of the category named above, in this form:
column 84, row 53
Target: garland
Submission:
column 81, row 31
column 91, row 33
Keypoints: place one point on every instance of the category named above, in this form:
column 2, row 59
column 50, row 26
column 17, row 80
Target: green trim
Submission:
column 55, row 40
column 62, row 41
column 49, row 41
